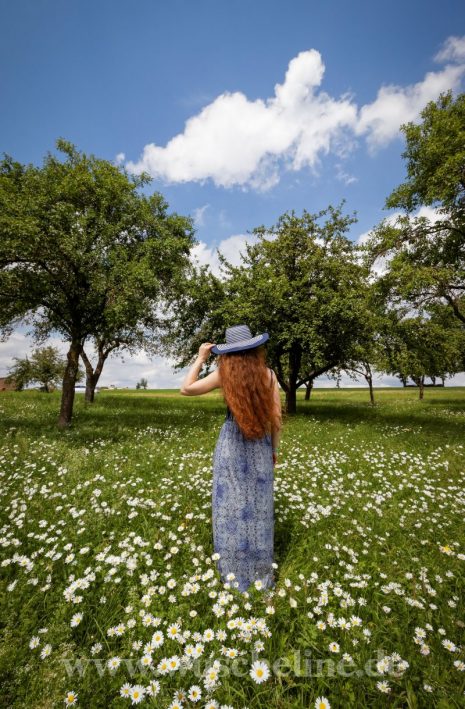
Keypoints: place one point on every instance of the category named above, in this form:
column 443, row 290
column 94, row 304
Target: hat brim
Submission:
column 238, row 347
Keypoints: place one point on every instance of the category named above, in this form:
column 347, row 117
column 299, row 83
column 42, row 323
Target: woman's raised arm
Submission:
column 192, row 386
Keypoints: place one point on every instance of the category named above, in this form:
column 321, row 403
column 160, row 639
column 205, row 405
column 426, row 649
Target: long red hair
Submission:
column 246, row 389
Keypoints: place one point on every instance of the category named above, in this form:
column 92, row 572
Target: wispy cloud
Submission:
column 453, row 50
column 344, row 176
column 199, row 215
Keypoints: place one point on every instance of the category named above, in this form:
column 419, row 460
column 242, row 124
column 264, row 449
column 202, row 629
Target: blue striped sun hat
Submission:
column 239, row 337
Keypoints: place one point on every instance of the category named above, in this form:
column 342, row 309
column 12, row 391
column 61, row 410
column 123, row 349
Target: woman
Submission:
column 244, row 456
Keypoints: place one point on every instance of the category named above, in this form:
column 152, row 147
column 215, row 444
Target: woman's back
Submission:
column 229, row 413
column 242, row 504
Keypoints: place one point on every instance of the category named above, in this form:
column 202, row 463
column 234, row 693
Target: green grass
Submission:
column 369, row 525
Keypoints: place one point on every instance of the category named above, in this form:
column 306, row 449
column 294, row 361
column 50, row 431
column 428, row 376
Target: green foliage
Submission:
column 193, row 314
column 83, row 253
column 419, row 347
column 46, row 367
column 435, row 155
column 80, row 242
column 302, row 282
column 425, row 256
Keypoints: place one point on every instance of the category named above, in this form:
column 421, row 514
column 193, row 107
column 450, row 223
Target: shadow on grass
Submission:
column 115, row 417
column 426, row 414
column 283, row 541
column 110, row 418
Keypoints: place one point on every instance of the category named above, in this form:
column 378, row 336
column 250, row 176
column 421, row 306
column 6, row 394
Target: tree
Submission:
column 418, row 347
column 133, row 317
column 45, row 367
column 20, row 373
column 368, row 353
column 193, row 314
column 426, row 256
column 301, row 282
column 84, row 254
column 142, row 384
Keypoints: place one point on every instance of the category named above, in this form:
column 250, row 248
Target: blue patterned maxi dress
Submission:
column 243, row 506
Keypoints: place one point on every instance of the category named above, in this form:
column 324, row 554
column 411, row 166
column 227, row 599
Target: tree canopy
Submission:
column 84, row 254
column 425, row 254
column 302, row 282
column 45, row 366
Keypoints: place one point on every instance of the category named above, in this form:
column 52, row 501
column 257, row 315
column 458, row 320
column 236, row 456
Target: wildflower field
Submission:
column 110, row 595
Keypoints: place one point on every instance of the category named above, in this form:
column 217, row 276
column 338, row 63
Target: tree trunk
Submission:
column 91, row 383
column 291, row 401
column 69, row 380
column 422, row 385
column 369, row 379
column 295, row 355
column 92, row 376
column 308, row 389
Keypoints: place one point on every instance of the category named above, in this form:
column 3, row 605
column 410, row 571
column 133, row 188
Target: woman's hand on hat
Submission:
column 204, row 350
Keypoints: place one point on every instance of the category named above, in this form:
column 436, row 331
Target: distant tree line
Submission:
column 45, row 367
column 85, row 254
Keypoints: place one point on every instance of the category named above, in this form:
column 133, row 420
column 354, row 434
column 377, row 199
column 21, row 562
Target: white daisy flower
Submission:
column 383, row 687
column 46, row 650
column 153, row 688
column 322, row 703
column 71, row 698
column 125, row 690
column 76, row 619
column 113, row 663
column 195, row 693
column 259, row 671
column 137, row 693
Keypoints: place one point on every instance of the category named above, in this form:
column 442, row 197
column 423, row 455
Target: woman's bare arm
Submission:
column 192, row 386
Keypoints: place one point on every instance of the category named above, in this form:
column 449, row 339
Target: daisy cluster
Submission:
column 108, row 545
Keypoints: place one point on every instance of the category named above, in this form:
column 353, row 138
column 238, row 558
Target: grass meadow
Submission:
column 110, row 596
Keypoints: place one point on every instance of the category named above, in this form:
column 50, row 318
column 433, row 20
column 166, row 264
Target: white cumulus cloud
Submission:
column 231, row 248
column 237, row 141
column 394, row 105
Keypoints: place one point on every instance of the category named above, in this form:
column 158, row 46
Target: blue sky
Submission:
column 240, row 110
